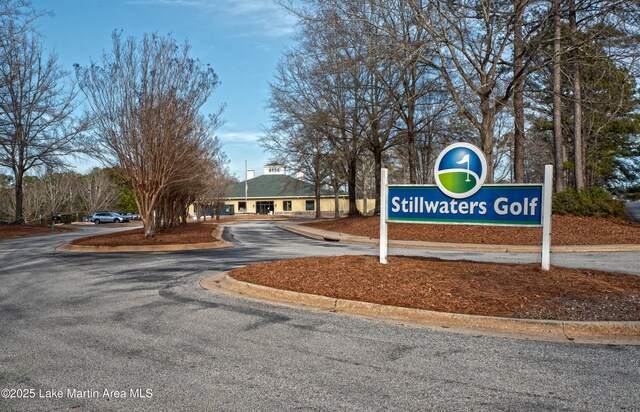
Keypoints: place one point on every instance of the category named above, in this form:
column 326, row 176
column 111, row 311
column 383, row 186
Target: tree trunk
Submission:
column 377, row 173
column 558, row 140
column 351, row 186
column 578, row 140
column 317, row 190
column 410, row 88
column 184, row 215
column 150, row 228
column 578, row 144
column 336, row 199
column 145, row 203
column 486, row 135
column 148, row 221
column 377, row 147
column 411, row 155
column 19, row 194
column 365, row 192
column 518, row 95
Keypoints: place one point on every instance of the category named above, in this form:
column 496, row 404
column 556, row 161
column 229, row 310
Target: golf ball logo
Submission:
column 460, row 170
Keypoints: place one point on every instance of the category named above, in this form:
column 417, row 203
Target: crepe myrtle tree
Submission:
column 145, row 99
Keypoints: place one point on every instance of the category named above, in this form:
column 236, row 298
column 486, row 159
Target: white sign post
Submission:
column 547, row 191
column 384, row 181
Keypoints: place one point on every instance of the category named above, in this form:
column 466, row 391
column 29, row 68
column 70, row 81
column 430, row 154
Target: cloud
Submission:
column 243, row 146
column 240, row 138
column 264, row 15
column 253, row 17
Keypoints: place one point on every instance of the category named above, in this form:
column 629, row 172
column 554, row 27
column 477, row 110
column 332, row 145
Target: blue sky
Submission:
column 242, row 40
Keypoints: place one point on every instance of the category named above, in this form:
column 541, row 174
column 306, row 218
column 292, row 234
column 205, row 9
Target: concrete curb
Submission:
column 217, row 234
column 326, row 235
column 627, row 333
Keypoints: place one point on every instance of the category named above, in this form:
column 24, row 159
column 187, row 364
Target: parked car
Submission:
column 108, row 217
column 131, row 216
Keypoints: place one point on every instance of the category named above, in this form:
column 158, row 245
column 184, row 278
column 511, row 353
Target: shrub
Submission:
column 594, row 202
column 68, row 218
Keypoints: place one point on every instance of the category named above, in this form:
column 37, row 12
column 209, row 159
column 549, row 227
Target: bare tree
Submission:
column 578, row 153
column 6, row 197
column 414, row 86
column 55, row 191
column 96, row 191
column 303, row 149
column 37, row 128
column 32, row 203
column 146, row 100
column 46, row 195
column 378, row 78
column 558, row 140
column 453, row 69
column 218, row 188
column 472, row 40
column 519, row 7
column 193, row 179
column 313, row 90
column 17, row 13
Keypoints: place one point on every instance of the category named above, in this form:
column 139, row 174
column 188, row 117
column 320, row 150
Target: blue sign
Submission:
column 491, row 204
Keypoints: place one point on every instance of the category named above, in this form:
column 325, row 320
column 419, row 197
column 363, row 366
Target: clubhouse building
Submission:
column 277, row 193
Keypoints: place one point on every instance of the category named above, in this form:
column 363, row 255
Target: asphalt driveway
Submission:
column 633, row 208
column 104, row 330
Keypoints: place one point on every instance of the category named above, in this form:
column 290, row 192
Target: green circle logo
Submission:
column 460, row 170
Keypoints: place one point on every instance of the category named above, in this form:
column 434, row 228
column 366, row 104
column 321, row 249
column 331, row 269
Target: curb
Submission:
column 627, row 333
column 326, row 235
column 152, row 248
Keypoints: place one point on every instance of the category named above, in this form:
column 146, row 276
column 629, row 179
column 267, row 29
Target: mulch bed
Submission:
column 182, row 234
column 15, row 231
column 490, row 289
column 565, row 230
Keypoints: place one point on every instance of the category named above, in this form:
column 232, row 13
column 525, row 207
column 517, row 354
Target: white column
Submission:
column 384, row 176
column 547, row 191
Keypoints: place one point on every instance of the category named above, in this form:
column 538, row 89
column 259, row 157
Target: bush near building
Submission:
column 594, row 202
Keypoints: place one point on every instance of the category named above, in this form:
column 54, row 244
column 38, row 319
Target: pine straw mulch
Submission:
column 182, row 234
column 15, row 231
column 566, row 230
column 490, row 289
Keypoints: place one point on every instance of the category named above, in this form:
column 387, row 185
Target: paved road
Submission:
column 120, row 321
column 634, row 210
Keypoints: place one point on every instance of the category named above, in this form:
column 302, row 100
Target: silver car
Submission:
column 108, row 217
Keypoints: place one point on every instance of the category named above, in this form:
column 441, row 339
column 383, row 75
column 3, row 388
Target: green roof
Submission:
column 267, row 186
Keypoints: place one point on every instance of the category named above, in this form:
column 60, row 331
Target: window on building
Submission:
column 286, row 205
column 310, row 205
column 242, row 207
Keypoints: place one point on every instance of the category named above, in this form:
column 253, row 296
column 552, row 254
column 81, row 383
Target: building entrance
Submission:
column 264, row 207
